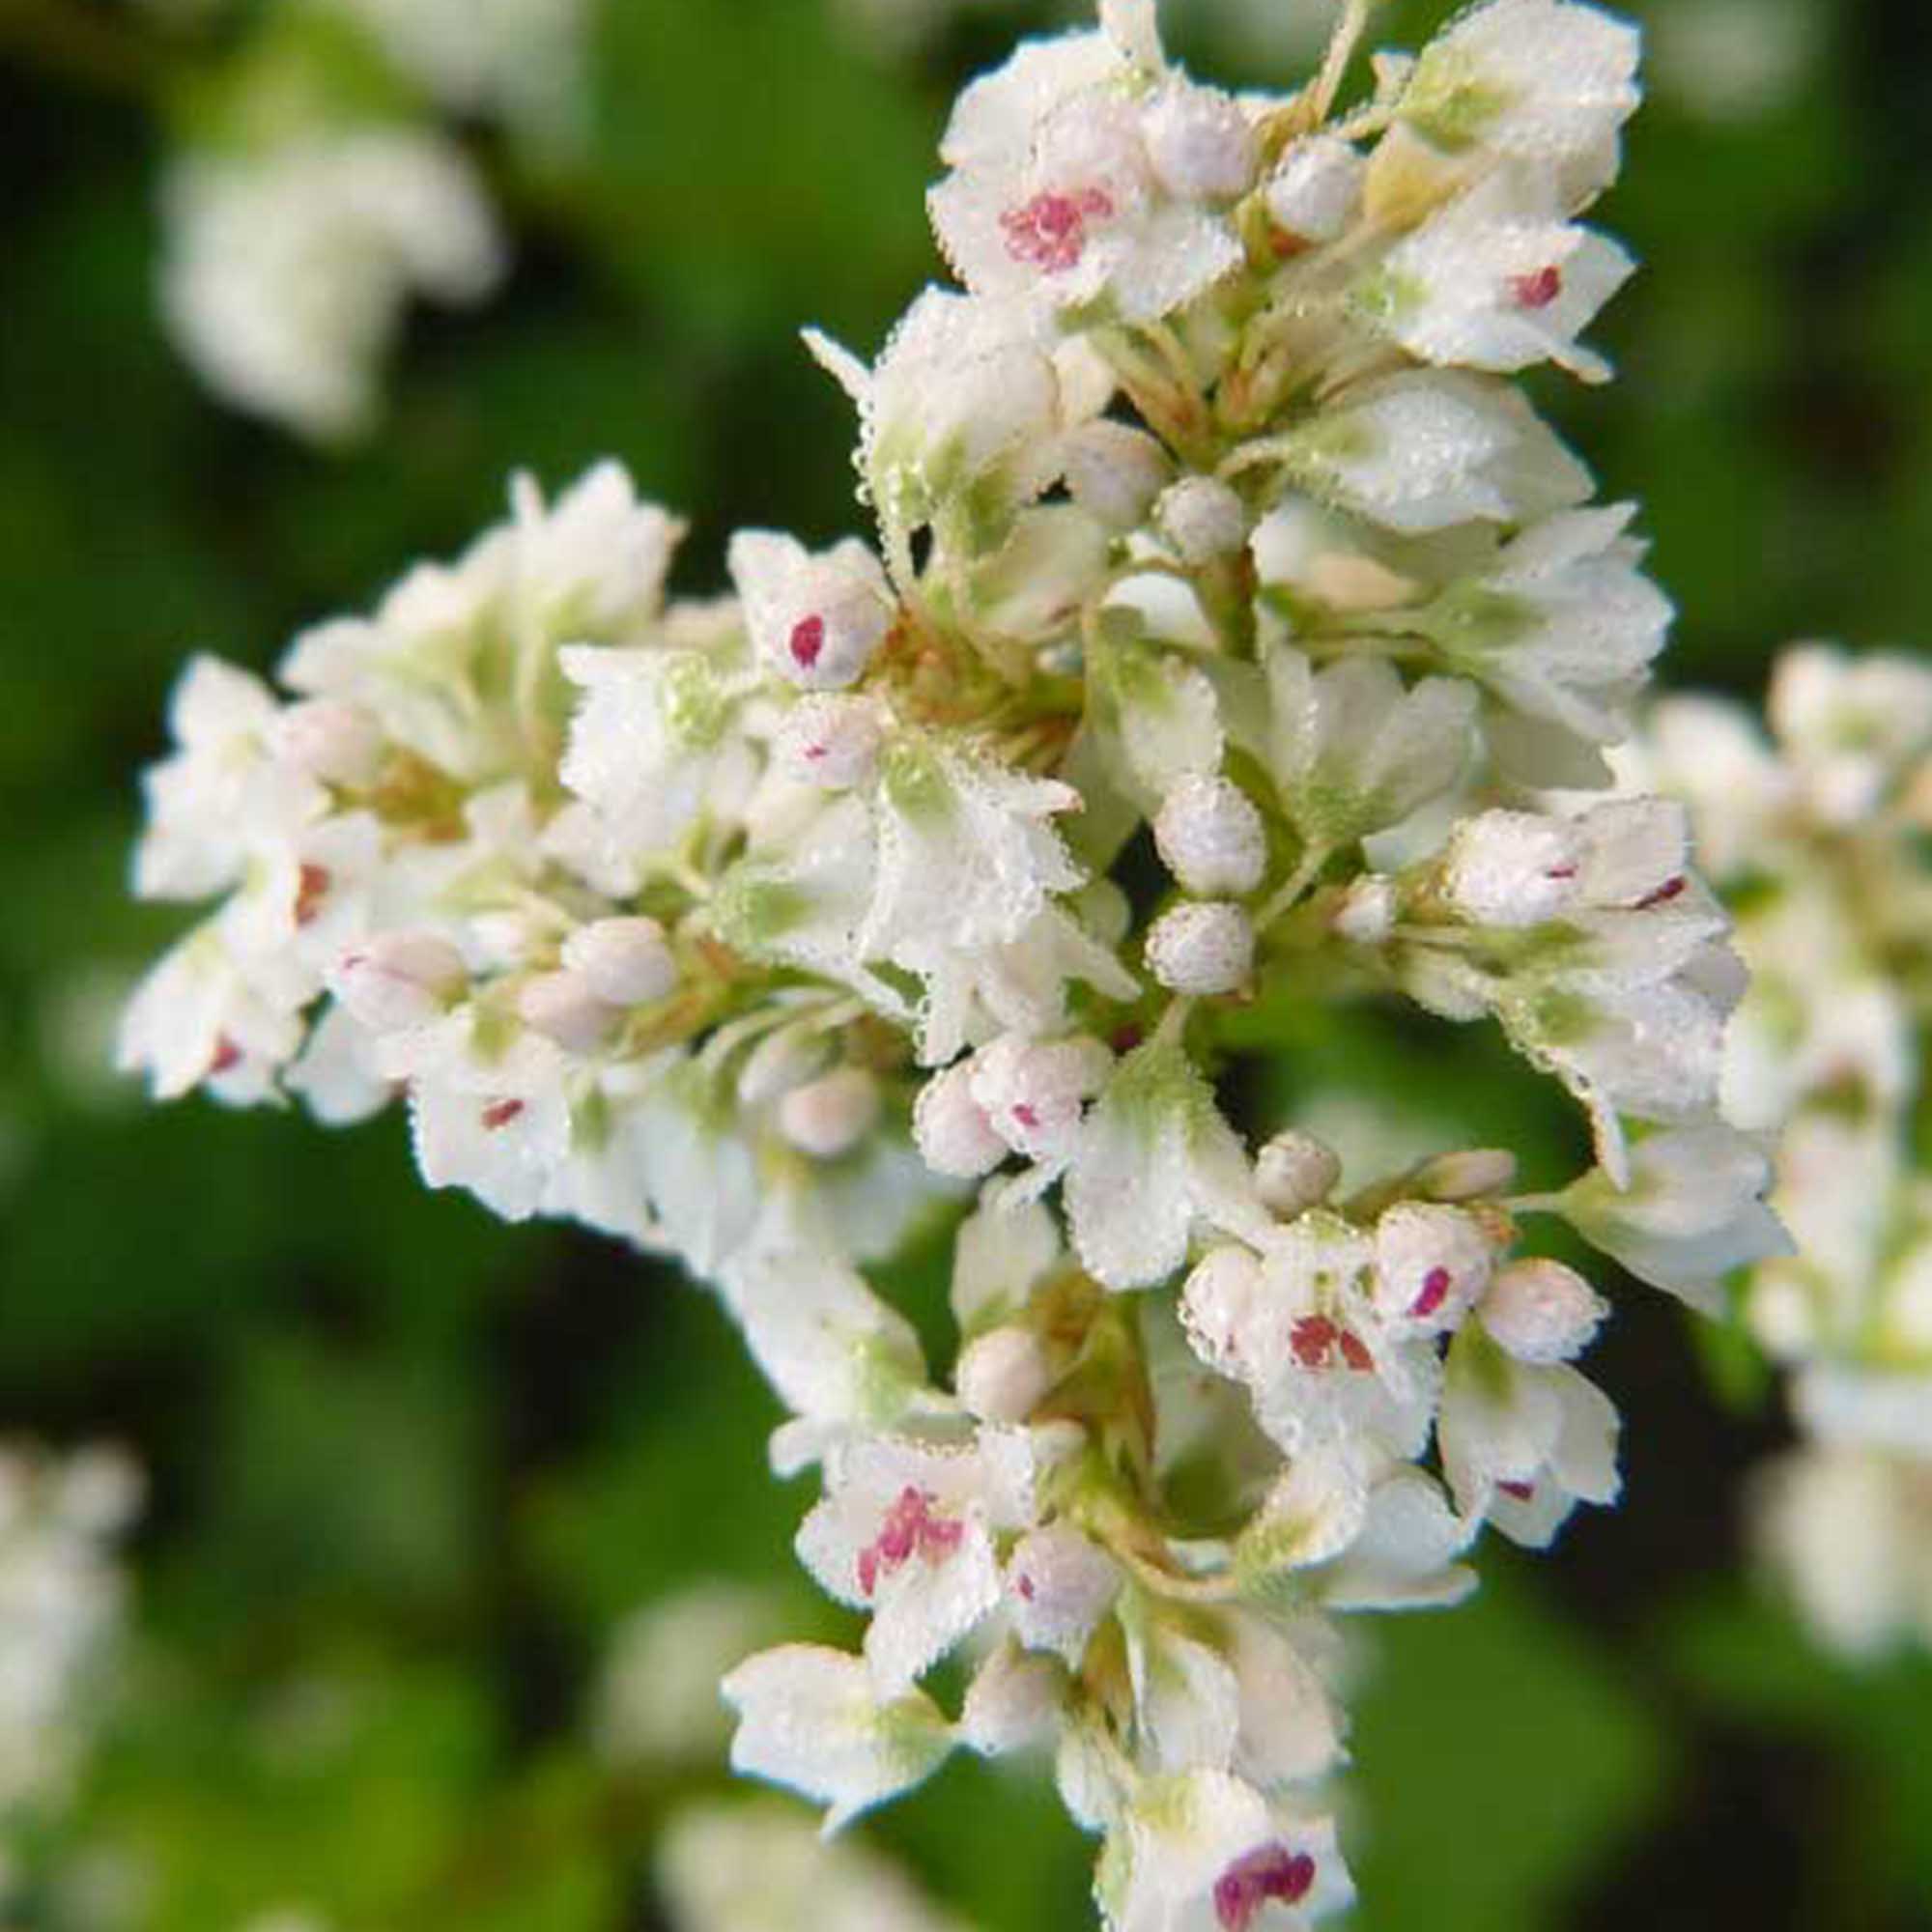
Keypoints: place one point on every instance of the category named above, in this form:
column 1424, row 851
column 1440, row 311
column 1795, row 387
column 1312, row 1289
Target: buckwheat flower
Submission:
column 1060, row 1586
column 1295, row 1172
column 954, row 1132
column 815, row 620
column 1499, row 280
column 1015, row 1703
column 1204, row 1851
column 1690, row 1210
column 1542, row 1312
column 1432, row 1263
column 1850, row 724
column 1315, row 189
column 1033, row 1093
column 287, row 272
column 832, row 742
column 810, row 1718
column 196, row 1020
column 627, row 961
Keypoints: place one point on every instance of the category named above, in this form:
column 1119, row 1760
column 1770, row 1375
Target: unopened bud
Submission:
column 334, row 743
column 1210, row 837
column 1512, row 867
column 1219, row 1302
column 830, row 741
column 1314, row 192
column 1199, row 142
column 1202, row 948
column 1431, row 1262
column 1004, row 1375
column 781, row 1061
column 1472, row 1174
column 831, row 1114
column 1367, row 914
column 1295, row 1172
column 951, row 1129
column 1203, row 519
column 1542, row 1312
column 626, row 961
column 564, row 1006
column 1115, row 472
column 1061, row 1585
column 399, row 980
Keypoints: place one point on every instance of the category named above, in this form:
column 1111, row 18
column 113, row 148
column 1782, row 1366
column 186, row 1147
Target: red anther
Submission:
column 1313, row 1339
column 312, row 884
column 227, row 1055
column 1050, row 231
column 1663, row 894
column 807, row 641
column 1271, row 1874
column 499, row 1114
column 1355, row 1352
column 1436, row 1286
column 1537, row 290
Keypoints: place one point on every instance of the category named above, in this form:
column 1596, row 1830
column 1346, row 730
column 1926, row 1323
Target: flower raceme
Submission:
column 755, row 930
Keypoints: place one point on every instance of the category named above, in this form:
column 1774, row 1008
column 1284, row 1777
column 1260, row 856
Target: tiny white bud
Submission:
column 1199, row 142
column 830, row 741
column 1003, row 1375
column 1512, row 867
column 1115, row 472
column 1218, row 1306
column 1202, row 948
column 398, row 980
column 1542, row 1312
column 831, row 1115
column 1012, row 1703
column 1061, row 1586
column 1201, row 518
column 1467, row 1176
column 1295, row 1172
column 1431, row 1262
column 1210, row 837
column 951, row 1129
column 1367, row 914
column 627, row 961
column 564, row 1006
column 1314, row 192
column 334, row 743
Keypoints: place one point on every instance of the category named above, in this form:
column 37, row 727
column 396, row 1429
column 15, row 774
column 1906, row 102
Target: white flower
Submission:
column 1499, row 280
column 287, row 272
column 1295, row 1172
column 830, row 1115
column 196, row 1020
column 810, row 1718
column 1060, row 1586
column 814, row 619
column 832, row 742
column 1853, row 726
column 1012, row 1704
column 626, row 961
column 1542, row 1312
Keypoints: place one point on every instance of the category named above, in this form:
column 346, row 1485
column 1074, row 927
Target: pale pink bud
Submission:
column 828, row 741
column 626, row 961
column 334, row 743
column 1202, row 948
column 1431, row 1263
column 564, row 1006
column 1199, row 143
column 1367, row 914
column 1004, row 1375
column 1467, row 1176
column 831, row 1115
column 399, row 980
column 1203, row 519
column 1542, row 1312
column 1210, row 837
column 1060, row 1586
column 1315, row 190
column 951, row 1129
column 1295, row 1172
column 1115, row 472
column 1218, row 1307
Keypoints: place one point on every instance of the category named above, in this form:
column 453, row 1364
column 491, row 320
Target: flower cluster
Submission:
column 1230, row 613
column 322, row 193
column 60, row 1608
column 1819, row 837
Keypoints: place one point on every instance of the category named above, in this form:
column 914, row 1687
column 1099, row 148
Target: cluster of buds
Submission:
column 322, row 193
column 1212, row 533
column 1818, row 835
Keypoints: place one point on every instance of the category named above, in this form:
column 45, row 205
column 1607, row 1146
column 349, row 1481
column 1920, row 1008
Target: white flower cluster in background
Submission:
column 1230, row 612
column 1819, row 833
column 324, row 202
column 61, row 1604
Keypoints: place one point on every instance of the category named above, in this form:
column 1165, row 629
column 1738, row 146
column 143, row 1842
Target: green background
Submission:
column 410, row 1468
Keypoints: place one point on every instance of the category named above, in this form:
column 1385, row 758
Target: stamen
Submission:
column 1537, row 290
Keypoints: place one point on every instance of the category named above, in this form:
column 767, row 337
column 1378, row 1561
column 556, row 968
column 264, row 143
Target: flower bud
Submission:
column 1469, row 1176
column 398, row 980
column 1004, row 1375
column 564, row 1006
column 1542, row 1312
column 780, row 1061
column 1295, row 1172
column 1061, row 1586
column 1431, row 1263
column 1315, row 190
column 334, row 743
column 1210, row 838
column 1218, row 1307
column 1202, row 948
column 1013, row 1702
column 1033, row 1092
column 1512, row 867
column 1115, row 472
column 831, row 1114
column 1201, row 518
column 1199, row 142
column 626, row 961
column 832, row 742
column 1367, row 914
column 951, row 1129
